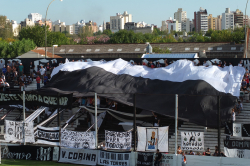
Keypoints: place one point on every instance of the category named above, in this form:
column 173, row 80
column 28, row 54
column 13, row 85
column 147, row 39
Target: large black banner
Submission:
column 145, row 158
column 237, row 144
column 37, row 98
column 28, row 153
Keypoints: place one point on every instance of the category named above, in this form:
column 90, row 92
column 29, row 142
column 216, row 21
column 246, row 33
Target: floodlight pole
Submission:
column 219, row 122
column 96, row 131
column 134, row 122
column 24, row 117
column 176, row 123
column 246, row 28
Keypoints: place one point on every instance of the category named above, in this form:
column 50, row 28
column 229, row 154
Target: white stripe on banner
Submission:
column 78, row 156
column 108, row 158
column 227, row 79
column 237, row 153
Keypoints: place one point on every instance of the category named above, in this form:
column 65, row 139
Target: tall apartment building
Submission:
column 117, row 22
column 180, row 15
column 227, row 21
column 59, row 26
column 201, row 21
column 93, row 25
column 174, row 25
column 218, row 22
column 35, row 17
column 212, row 21
column 78, row 25
column 238, row 18
column 185, row 25
column 108, row 25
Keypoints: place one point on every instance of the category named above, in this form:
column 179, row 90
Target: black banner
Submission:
column 145, row 158
column 28, row 153
column 237, row 144
column 245, row 129
column 36, row 98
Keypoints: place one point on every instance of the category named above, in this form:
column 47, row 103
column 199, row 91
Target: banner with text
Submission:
column 170, row 159
column 74, row 139
column 26, row 152
column 152, row 138
column 36, row 98
column 47, row 135
column 78, row 156
column 118, row 140
column 14, row 131
column 145, row 158
column 113, row 158
column 192, row 141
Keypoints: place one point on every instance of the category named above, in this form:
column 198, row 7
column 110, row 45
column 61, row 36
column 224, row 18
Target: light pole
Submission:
column 53, row 49
column 246, row 27
column 46, row 29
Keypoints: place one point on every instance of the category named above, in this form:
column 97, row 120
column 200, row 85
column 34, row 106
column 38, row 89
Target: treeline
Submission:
column 15, row 48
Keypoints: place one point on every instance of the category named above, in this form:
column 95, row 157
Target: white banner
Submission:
column 74, row 139
column 237, row 153
column 152, row 138
column 78, row 156
column 113, row 158
column 118, row 140
column 47, row 135
column 192, row 141
column 14, row 131
column 237, row 130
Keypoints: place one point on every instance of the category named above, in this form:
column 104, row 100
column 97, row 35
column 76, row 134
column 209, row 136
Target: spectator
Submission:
column 220, row 64
column 239, row 107
column 216, row 153
column 9, row 64
column 184, row 159
column 156, row 122
column 205, row 63
column 4, row 70
column 243, row 83
column 247, row 80
column 38, row 80
column 151, row 64
column 45, row 79
column 1, row 66
column 191, row 152
column 42, row 72
column 60, row 63
column 158, row 64
column 20, row 70
column 166, row 62
column 233, row 116
column 207, row 152
column 9, row 70
column 225, row 64
column 240, row 64
column 48, row 69
column 32, row 66
column 3, row 77
column 179, row 151
column 54, row 64
column 158, row 158
column 247, row 71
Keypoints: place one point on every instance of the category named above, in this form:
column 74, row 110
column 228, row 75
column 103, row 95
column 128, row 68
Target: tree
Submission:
column 160, row 50
column 86, row 31
column 107, row 32
column 5, row 28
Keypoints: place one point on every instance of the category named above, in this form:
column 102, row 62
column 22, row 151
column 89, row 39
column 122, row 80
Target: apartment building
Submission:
column 117, row 22
column 201, row 21
column 27, row 23
column 212, row 21
column 227, row 21
column 180, row 15
column 42, row 23
column 185, row 25
column 35, row 17
column 238, row 18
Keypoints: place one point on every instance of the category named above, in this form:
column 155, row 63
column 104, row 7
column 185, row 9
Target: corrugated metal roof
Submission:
column 189, row 55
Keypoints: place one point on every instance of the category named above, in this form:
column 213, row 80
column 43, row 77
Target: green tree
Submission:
column 107, row 32
column 86, row 31
column 5, row 28
column 160, row 50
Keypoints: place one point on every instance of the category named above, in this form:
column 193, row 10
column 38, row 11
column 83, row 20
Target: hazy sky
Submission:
column 149, row 11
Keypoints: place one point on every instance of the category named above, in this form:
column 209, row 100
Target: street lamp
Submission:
column 53, row 49
column 46, row 29
column 246, row 28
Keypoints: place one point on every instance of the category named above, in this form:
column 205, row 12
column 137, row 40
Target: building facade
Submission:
column 174, row 25
column 180, row 15
column 137, row 28
column 201, row 21
column 185, row 25
column 35, row 17
column 27, row 23
column 117, row 22
column 42, row 23
column 227, row 21
column 211, row 22
column 238, row 18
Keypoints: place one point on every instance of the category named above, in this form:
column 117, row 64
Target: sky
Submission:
column 149, row 11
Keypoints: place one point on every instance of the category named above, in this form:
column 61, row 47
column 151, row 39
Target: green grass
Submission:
column 13, row 162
